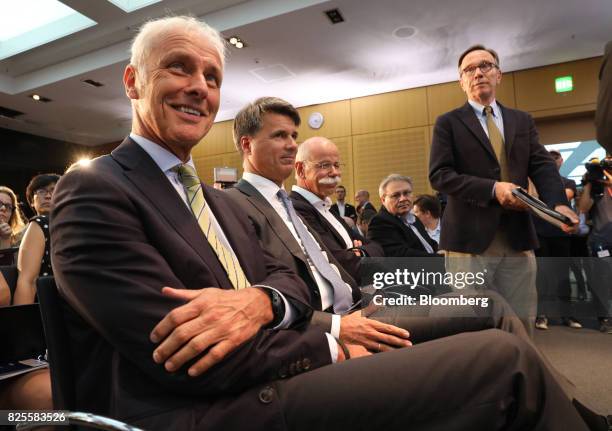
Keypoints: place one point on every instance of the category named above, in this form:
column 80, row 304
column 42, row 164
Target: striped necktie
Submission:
column 193, row 188
column 497, row 142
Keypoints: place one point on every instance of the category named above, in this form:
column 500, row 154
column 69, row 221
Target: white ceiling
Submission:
column 322, row 62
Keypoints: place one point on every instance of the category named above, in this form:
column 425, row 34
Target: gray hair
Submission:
column 389, row 179
column 153, row 31
column 303, row 152
column 249, row 120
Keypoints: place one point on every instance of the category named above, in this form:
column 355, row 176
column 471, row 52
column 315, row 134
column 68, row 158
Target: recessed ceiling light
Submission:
column 334, row 16
column 93, row 83
column 233, row 40
column 405, row 32
column 236, row 41
column 39, row 98
column 35, row 97
column 239, row 45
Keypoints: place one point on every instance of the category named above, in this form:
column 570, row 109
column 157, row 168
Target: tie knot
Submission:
column 488, row 110
column 282, row 194
column 187, row 175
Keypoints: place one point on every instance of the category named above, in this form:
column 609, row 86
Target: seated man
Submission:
column 317, row 171
column 399, row 232
column 341, row 208
column 427, row 210
column 225, row 347
column 362, row 199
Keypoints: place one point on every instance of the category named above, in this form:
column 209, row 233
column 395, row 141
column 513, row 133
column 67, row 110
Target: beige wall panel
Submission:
column 336, row 120
column 389, row 111
column 535, row 88
column 380, row 154
column 205, row 166
column 442, row 98
column 215, row 142
column 233, row 160
column 559, row 130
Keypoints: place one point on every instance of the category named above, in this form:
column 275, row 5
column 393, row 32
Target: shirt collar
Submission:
column 162, row 157
column 311, row 197
column 267, row 188
column 408, row 218
column 479, row 109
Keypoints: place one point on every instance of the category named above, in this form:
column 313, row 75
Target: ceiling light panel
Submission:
column 26, row 24
column 132, row 5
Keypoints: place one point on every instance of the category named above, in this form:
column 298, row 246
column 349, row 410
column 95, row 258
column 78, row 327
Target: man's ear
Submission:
column 245, row 145
column 129, row 82
column 299, row 169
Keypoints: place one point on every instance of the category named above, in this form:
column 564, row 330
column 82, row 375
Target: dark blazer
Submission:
column 120, row 232
column 276, row 238
column 332, row 239
column 397, row 239
column 464, row 166
column 368, row 205
column 603, row 113
column 349, row 211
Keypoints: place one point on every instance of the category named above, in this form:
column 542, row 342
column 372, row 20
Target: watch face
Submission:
column 315, row 120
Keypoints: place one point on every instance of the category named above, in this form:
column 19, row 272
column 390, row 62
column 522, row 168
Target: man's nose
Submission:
column 197, row 86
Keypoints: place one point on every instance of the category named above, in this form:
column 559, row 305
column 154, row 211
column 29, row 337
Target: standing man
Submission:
column 341, row 208
column 362, row 200
column 481, row 152
column 603, row 113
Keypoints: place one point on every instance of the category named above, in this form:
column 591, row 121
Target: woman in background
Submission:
column 34, row 253
column 11, row 219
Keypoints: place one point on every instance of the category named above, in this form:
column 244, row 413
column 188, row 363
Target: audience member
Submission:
column 342, row 208
column 479, row 154
column 363, row 221
column 362, row 200
column 11, row 219
column 115, row 248
column 603, row 113
column 427, row 209
column 597, row 202
column 399, row 232
column 317, row 171
column 35, row 253
column 553, row 282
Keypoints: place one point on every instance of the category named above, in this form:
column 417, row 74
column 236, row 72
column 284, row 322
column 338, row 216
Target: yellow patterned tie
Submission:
column 497, row 142
column 193, row 189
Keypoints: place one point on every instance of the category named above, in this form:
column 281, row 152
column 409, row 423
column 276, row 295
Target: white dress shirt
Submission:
column 409, row 220
column 434, row 233
column 323, row 207
column 341, row 208
column 167, row 161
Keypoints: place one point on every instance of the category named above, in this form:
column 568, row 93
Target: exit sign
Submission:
column 564, row 84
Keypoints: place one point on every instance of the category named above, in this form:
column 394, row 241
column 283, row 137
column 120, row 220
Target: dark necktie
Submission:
column 343, row 298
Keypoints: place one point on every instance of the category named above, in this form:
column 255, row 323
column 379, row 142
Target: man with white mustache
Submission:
column 318, row 172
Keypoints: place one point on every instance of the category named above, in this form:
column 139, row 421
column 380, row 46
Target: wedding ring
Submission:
column 379, row 347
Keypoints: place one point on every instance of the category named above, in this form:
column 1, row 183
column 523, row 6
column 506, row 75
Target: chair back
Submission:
column 52, row 307
column 10, row 274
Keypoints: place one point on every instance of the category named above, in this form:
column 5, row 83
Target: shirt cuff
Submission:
column 290, row 311
column 335, row 326
column 493, row 190
column 333, row 347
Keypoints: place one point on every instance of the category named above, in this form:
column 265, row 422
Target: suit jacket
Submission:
column 120, row 232
column 349, row 211
column 603, row 113
column 276, row 238
column 397, row 239
column 368, row 205
column 332, row 239
column 464, row 166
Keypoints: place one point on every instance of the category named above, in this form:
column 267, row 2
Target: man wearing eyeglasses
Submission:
column 481, row 152
column 318, row 171
column 400, row 233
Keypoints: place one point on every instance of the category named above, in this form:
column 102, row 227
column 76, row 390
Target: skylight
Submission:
column 132, row 5
column 26, row 24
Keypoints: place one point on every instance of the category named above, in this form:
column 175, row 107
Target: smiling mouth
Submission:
column 190, row 110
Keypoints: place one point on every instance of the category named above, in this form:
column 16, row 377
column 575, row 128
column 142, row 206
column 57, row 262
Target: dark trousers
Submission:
column 552, row 282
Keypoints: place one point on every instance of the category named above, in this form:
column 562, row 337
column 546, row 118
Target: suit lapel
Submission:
column 468, row 117
column 276, row 223
column 146, row 176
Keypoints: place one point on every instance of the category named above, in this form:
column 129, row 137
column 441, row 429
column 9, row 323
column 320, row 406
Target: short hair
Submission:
column 38, row 182
column 366, row 216
column 555, row 153
column 16, row 221
column 249, row 120
column 478, row 48
column 429, row 203
column 152, row 31
column 340, row 186
column 389, row 179
column 363, row 192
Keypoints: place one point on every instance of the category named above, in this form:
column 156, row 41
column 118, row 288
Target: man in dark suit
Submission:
column 603, row 113
column 362, row 200
column 317, row 171
column 201, row 355
column 480, row 153
column 342, row 208
column 400, row 233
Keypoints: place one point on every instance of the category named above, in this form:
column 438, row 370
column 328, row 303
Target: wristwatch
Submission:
column 278, row 307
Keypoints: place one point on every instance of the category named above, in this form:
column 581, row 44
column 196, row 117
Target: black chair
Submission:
column 10, row 274
column 52, row 308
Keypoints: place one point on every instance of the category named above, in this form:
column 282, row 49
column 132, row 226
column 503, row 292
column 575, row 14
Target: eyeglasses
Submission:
column 327, row 166
column 484, row 66
column 8, row 206
column 43, row 192
column 395, row 196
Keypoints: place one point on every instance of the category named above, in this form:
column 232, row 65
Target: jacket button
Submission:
column 306, row 364
column 266, row 395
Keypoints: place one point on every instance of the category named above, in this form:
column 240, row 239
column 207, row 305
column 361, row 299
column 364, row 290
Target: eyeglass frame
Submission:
column 43, row 191
column 320, row 165
column 484, row 66
column 399, row 194
column 7, row 205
